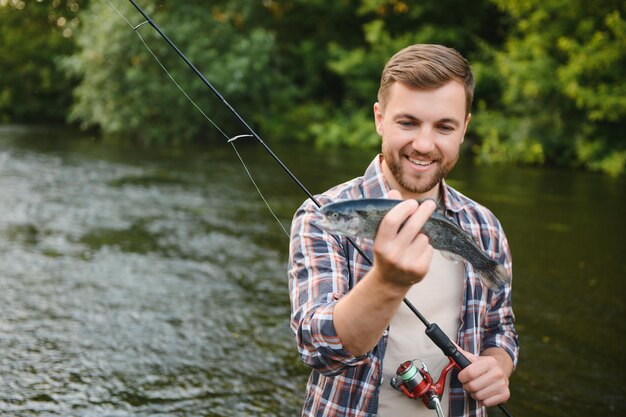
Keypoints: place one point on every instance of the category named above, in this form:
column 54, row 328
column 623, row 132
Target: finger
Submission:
column 482, row 382
column 492, row 391
column 394, row 195
column 470, row 356
column 473, row 370
column 499, row 398
column 412, row 227
column 418, row 257
column 485, row 381
column 411, row 253
column 392, row 221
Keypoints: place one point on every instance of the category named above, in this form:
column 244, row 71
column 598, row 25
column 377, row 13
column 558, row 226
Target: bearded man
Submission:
column 347, row 316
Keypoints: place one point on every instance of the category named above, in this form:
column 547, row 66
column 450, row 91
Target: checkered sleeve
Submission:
column 499, row 326
column 318, row 278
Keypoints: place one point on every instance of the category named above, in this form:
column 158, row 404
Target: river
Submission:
column 142, row 281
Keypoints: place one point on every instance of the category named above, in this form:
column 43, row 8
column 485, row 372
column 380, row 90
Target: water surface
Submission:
column 152, row 282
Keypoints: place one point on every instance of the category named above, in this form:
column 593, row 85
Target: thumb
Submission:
column 468, row 355
column 471, row 358
column 466, row 374
column 395, row 195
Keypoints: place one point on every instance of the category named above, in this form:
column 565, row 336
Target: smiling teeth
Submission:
column 422, row 163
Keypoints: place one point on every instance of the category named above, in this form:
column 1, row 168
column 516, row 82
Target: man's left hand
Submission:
column 487, row 377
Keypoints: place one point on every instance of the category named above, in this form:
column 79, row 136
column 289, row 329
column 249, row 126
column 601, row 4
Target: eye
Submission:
column 447, row 129
column 334, row 215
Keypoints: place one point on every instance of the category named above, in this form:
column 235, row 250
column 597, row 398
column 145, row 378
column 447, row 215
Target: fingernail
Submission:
column 430, row 201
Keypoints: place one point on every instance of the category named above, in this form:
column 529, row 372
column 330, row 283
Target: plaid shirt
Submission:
column 324, row 267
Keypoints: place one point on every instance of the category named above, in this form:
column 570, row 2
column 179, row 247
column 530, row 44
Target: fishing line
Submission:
column 231, row 141
column 258, row 190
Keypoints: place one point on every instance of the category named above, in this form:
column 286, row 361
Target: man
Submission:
column 348, row 318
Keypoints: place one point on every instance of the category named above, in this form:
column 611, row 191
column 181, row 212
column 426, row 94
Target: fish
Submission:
column 361, row 218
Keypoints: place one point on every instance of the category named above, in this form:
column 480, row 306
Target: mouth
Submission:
column 421, row 163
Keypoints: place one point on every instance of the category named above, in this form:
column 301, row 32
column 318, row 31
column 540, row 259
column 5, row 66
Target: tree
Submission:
column 384, row 27
column 125, row 91
column 563, row 91
column 34, row 34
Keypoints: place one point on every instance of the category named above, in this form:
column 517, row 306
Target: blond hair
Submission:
column 425, row 66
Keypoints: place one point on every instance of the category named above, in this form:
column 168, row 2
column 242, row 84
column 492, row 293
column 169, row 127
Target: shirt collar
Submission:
column 451, row 198
column 374, row 183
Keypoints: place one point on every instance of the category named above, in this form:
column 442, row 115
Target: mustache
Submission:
column 409, row 152
column 433, row 156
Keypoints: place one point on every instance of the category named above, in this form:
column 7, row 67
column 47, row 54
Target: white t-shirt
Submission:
column 438, row 297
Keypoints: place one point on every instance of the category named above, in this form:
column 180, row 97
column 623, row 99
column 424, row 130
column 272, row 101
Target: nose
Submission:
column 424, row 140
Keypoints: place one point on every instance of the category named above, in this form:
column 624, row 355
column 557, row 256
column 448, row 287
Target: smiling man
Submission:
column 422, row 133
column 348, row 318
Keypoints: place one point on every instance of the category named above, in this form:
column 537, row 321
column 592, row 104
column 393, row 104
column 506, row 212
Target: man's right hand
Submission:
column 402, row 254
column 401, row 258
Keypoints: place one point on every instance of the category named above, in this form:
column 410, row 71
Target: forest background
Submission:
column 551, row 85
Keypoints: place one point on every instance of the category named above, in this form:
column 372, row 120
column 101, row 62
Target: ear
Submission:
column 378, row 118
column 467, row 122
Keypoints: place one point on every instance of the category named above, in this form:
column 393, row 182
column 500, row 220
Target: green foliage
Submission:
column 125, row 91
column 351, row 126
column 388, row 26
column 563, row 96
column 32, row 35
column 550, row 74
column 589, row 75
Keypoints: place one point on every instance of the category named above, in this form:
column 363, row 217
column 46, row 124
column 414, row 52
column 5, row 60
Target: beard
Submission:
column 417, row 183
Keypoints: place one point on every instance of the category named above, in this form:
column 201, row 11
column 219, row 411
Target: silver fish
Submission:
column 361, row 219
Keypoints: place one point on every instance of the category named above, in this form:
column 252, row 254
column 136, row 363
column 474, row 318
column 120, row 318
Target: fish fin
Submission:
column 496, row 277
column 452, row 257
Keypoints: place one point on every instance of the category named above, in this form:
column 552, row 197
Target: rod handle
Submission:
column 434, row 333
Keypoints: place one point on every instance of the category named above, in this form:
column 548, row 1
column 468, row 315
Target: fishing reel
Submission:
column 417, row 383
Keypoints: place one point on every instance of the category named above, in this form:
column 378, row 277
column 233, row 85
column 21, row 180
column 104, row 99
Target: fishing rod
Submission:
column 433, row 331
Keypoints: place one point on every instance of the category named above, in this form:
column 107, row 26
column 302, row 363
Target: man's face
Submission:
column 422, row 132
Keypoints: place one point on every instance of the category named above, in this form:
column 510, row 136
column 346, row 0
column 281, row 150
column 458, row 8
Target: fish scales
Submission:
column 362, row 218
